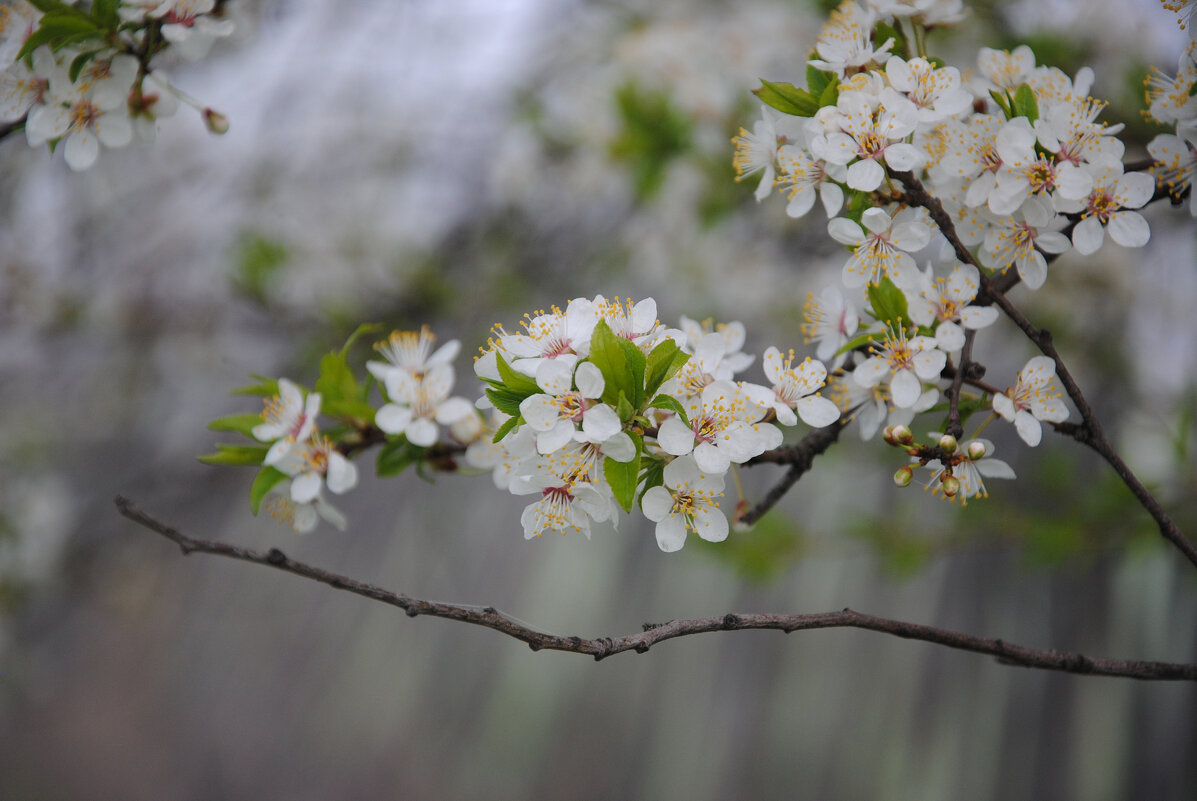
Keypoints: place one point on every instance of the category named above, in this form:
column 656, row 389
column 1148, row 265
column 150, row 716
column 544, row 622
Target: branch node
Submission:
column 641, row 647
column 489, row 610
column 535, row 646
column 276, row 557
column 731, row 621
column 650, row 626
column 411, row 610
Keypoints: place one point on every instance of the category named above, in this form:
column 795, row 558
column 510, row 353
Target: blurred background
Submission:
column 458, row 164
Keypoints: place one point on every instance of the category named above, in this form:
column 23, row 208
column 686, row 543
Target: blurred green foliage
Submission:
column 258, row 260
column 653, row 133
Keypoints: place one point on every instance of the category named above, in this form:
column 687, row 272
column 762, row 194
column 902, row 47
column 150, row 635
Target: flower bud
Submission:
column 947, row 443
column 217, row 123
column 903, row 434
column 950, row 485
column 904, row 476
column 976, row 450
column 887, row 434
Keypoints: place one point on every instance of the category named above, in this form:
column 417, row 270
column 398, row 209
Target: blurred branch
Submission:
column 800, row 457
column 653, row 633
column 1090, row 431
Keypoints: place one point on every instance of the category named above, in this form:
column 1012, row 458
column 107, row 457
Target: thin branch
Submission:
column 1091, row 432
column 653, row 633
column 955, row 427
column 800, row 457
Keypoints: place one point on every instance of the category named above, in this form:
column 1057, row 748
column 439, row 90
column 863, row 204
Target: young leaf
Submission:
column 787, row 98
column 888, row 304
column 505, row 401
column 817, row 80
column 516, row 381
column 670, row 404
column 860, row 340
column 622, row 477
column 396, row 456
column 266, row 478
column 227, row 454
column 241, row 423
column 653, row 475
column 1025, row 104
column 662, row 364
column 78, row 63
column 266, row 387
column 507, row 427
column 1002, row 102
column 336, row 381
column 58, row 30
column 360, row 331
column 614, row 361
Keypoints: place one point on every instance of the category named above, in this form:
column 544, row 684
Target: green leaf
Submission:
column 396, row 456
column 624, row 408
column 860, row 340
column 817, row 80
column 622, row 476
column 883, row 31
column 670, row 404
column 266, row 387
column 662, row 364
column 240, row 423
column 787, row 98
column 78, row 63
column 1025, row 104
column 1002, row 101
column 621, row 363
column 888, row 304
column 653, row 133
column 360, row 331
column 653, row 475
column 353, row 410
column 506, row 402
column 227, row 454
column 105, row 14
column 507, row 427
column 830, row 94
column 266, row 478
column 516, row 381
column 336, row 381
column 54, row 7
column 58, row 30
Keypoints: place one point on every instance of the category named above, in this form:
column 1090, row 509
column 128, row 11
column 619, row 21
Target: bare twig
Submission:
column 799, row 456
column 1090, row 432
column 653, row 633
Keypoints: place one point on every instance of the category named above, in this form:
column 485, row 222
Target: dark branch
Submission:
column 800, row 457
column 653, row 633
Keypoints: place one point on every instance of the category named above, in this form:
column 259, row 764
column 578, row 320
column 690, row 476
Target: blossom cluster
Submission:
column 1172, row 100
column 599, row 404
column 1012, row 151
column 590, row 409
column 83, row 78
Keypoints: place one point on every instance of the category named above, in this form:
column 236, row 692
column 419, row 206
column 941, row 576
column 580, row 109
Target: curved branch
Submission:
column 653, row 633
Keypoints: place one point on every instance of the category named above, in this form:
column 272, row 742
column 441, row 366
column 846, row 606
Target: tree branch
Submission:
column 653, row 633
column 800, row 457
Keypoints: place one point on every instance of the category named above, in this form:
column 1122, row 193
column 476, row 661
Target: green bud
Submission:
column 904, row 476
column 950, row 485
column 976, row 450
column 947, row 443
column 903, row 434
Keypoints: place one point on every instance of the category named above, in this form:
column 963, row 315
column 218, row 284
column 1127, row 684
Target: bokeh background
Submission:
column 458, row 164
